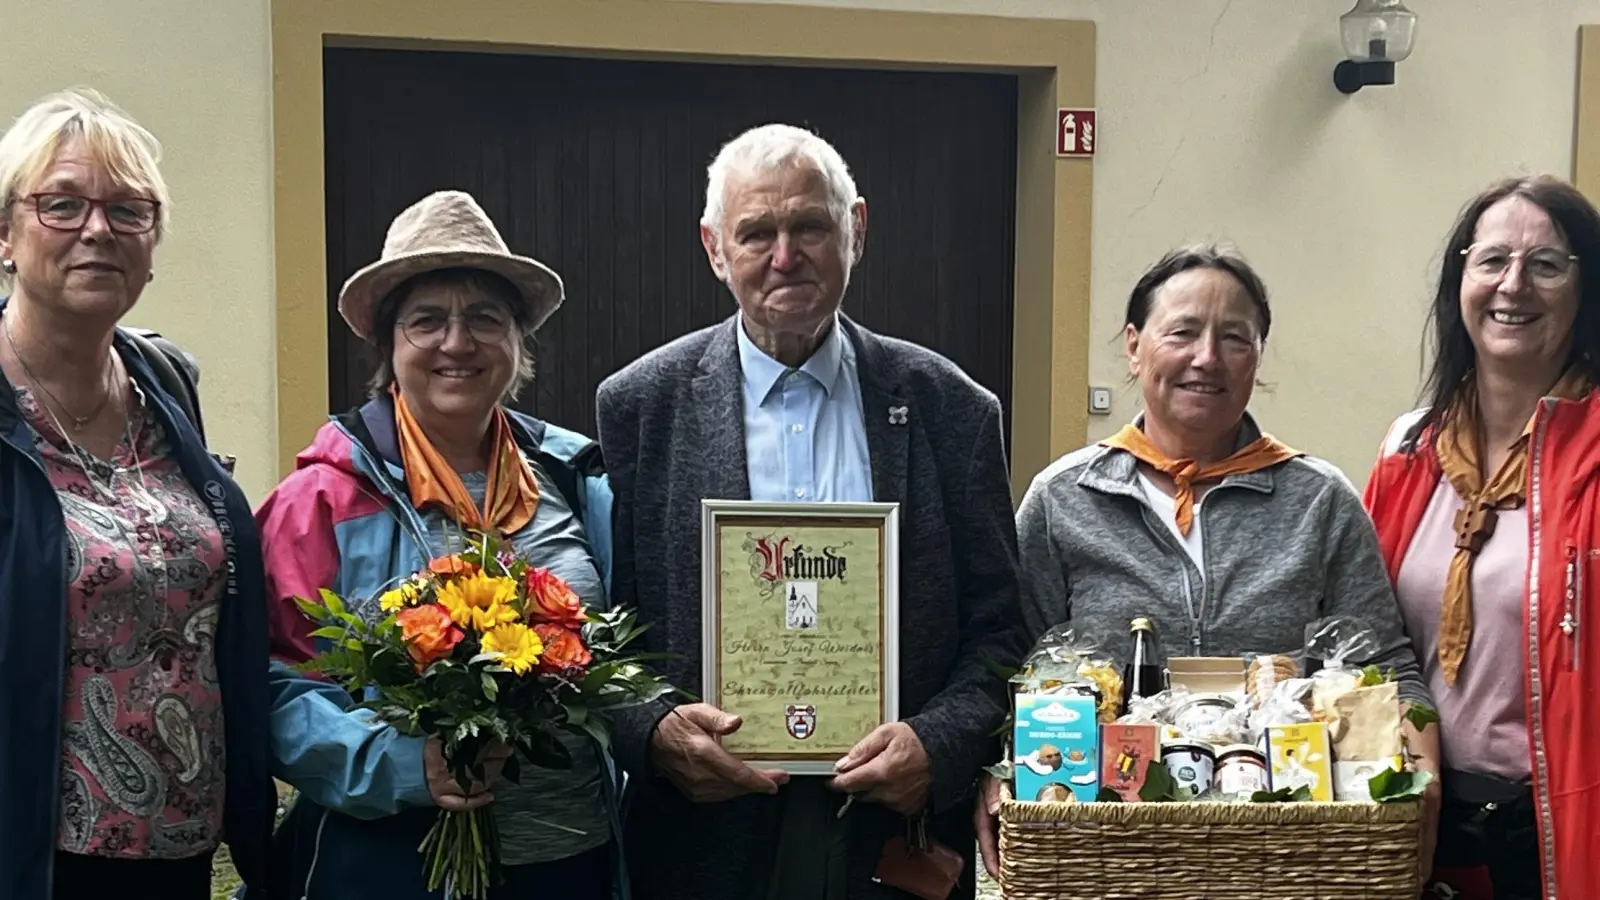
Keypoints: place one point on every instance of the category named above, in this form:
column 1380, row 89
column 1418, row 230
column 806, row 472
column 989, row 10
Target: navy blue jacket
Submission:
column 33, row 647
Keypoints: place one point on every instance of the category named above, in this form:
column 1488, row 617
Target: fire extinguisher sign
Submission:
column 1075, row 132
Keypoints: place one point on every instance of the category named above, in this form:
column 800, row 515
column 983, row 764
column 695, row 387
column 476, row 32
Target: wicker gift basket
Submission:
column 1209, row 851
column 1186, row 829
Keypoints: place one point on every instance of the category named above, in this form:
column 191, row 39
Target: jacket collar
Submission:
column 372, row 426
column 718, row 413
column 1114, row 471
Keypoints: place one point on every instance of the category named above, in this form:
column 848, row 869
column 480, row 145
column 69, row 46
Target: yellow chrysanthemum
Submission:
column 398, row 598
column 480, row 602
column 519, row 647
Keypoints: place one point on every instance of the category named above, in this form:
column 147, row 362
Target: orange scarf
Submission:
column 1261, row 453
column 510, row 498
column 1481, row 503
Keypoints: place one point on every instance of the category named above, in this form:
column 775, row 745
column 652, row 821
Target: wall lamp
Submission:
column 1376, row 34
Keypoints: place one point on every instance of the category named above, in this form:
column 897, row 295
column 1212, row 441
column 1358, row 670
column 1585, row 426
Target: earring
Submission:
column 9, row 265
column 151, row 276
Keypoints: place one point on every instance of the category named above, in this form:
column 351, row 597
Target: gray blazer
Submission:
column 672, row 430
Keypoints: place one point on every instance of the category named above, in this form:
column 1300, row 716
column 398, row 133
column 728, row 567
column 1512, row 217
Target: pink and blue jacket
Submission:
column 343, row 520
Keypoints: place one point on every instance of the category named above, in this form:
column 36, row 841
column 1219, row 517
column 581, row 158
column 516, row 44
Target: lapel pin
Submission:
column 897, row 415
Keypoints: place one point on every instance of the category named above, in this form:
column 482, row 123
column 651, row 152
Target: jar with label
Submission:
column 1241, row 769
column 1191, row 764
column 1205, row 717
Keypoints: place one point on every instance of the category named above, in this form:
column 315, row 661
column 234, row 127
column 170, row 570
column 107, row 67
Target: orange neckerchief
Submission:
column 1481, row 502
column 1261, row 453
column 510, row 498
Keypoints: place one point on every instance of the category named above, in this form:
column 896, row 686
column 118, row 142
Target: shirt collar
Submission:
column 761, row 372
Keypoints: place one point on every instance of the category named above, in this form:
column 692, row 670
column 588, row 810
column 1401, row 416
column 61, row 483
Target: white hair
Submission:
column 769, row 147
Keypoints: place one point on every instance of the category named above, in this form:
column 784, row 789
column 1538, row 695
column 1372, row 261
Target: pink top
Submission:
column 142, row 751
column 1483, row 717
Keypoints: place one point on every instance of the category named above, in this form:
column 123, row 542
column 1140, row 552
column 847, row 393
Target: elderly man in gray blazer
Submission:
column 791, row 400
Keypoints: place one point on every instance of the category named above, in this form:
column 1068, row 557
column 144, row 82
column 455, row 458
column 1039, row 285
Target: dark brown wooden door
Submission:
column 597, row 168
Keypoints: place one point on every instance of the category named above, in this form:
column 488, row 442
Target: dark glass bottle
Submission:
column 1145, row 675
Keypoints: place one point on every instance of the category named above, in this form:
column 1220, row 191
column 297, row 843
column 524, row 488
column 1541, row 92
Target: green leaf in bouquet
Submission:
column 599, row 730
column 546, row 751
column 491, row 688
column 391, row 665
column 1159, row 785
column 311, row 609
column 598, row 676
column 1421, row 716
column 1301, row 794
column 332, row 601
column 1390, row 786
column 331, row 632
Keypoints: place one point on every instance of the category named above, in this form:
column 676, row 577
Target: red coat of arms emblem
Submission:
column 801, row 720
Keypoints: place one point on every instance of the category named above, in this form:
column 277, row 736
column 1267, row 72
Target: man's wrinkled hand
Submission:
column 447, row 791
column 888, row 766
column 685, row 751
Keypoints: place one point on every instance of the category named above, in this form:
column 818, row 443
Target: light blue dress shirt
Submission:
column 805, row 439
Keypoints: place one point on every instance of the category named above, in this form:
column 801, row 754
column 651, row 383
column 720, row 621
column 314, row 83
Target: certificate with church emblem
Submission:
column 801, row 626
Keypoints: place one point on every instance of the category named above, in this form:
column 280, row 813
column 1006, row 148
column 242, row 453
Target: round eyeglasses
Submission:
column 1545, row 267
column 427, row 330
column 70, row 212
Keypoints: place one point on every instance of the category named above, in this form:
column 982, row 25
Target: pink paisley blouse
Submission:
column 142, row 757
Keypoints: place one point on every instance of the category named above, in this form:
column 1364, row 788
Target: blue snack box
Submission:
column 1055, row 747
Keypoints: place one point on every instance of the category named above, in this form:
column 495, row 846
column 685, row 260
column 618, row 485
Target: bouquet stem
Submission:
column 461, row 853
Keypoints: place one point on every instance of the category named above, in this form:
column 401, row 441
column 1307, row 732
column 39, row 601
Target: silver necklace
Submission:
column 78, row 422
column 154, row 513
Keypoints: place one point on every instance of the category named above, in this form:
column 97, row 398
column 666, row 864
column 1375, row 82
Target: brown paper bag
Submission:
column 1364, row 729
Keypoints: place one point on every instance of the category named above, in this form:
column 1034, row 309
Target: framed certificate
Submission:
column 801, row 618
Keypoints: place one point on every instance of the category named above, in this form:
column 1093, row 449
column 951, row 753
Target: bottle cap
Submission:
column 1141, row 624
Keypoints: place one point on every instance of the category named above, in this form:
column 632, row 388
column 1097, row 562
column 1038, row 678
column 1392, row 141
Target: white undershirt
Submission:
column 1166, row 509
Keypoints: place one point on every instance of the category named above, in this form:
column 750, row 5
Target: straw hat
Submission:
column 445, row 230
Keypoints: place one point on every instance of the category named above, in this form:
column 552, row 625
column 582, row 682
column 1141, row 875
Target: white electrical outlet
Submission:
column 1100, row 400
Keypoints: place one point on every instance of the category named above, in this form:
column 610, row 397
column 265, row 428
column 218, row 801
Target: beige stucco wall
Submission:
column 196, row 73
column 1217, row 117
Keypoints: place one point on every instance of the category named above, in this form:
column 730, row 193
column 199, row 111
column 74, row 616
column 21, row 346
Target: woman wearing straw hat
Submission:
column 376, row 494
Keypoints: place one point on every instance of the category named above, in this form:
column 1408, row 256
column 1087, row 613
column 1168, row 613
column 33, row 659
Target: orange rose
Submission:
column 564, row 651
column 448, row 566
column 428, row 632
column 552, row 600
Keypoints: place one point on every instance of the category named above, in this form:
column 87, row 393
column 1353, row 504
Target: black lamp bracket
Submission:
column 1350, row 76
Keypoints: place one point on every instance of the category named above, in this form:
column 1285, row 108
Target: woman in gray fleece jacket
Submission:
column 1230, row 542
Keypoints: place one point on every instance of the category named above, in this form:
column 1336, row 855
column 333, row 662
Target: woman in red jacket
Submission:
column 1487, row 503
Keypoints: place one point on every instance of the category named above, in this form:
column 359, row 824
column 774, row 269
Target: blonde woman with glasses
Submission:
column 133, row 643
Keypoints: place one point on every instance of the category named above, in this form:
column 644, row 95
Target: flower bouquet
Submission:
column 480, row 648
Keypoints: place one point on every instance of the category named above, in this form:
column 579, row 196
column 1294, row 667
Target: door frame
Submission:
column 1586, row 130
column 1054, row 60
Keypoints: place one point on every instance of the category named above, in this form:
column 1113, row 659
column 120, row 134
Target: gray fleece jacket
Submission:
column 1282, row 547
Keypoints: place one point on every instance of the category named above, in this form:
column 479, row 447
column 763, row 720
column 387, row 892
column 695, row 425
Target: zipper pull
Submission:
column 1569, row 624
column 1194, row 641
